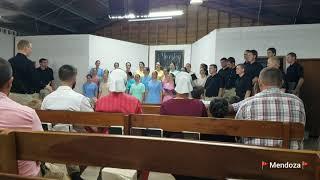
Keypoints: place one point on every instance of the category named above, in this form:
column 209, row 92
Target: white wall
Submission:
column 6, row 46
column 60, row 50
column 203, row 51
column 109, row 51
column 304, row 40
column 153, row 49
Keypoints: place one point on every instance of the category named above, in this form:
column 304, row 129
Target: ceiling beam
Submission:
column 74, row 11
column 11, row 6
column 248, row 13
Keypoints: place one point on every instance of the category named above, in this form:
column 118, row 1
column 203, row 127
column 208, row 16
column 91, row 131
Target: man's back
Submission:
column 183, row 107
column 272, row 105
column 16, row 116
column 119, row 103
column 23, row 71
column 64, row 98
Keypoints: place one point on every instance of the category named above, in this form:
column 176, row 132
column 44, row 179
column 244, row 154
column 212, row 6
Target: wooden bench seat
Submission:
column 190, row 158
column 4, row 176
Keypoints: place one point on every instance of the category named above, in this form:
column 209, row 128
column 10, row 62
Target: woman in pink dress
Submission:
column 168, row 88
column 95, row 77
column 165, row 76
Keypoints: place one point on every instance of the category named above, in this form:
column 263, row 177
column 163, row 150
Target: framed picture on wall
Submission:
column 166, row 57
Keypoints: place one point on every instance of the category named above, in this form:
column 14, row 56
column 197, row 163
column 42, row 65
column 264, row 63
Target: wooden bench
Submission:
column 151, row 108
column 4, row 176
column 96, row 119
column 229, row 127
column 190, row 158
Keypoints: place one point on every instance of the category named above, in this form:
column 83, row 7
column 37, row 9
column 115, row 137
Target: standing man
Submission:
column 294, row 74
column 271, row 52
column 214, row 84
column 22, row 90
column 44, row 76
column 245, row 56
column 128, row 67
column 243, row 83
column 230, row 79
column 274, row 62
column 253, row 68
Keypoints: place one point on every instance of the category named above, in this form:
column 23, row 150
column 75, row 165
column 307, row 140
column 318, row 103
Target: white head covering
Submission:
column 183, row 83
column 118, row 79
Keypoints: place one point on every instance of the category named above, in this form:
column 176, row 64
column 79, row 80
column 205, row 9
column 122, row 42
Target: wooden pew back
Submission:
column 200, row 159
column 151, row 108
column 97, row 119
column 230, row 127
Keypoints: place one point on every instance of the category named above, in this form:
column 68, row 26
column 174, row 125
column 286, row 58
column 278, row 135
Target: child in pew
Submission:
column 219, row 109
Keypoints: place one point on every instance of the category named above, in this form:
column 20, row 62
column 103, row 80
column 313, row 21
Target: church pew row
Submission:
column 4, row 176
column 190, row 158
column 203, row 125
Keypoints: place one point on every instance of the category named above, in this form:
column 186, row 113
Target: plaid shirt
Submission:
column 272, row 105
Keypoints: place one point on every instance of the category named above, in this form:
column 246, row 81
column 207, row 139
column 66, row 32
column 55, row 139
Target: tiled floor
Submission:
column 91, row 173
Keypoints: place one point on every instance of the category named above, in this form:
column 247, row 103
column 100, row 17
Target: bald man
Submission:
column 271, row 104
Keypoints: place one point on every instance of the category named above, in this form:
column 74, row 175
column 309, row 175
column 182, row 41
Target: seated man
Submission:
column 21, row 117
column 181, row 105
column 272, row 104
column 64, row 98
column 118, row 101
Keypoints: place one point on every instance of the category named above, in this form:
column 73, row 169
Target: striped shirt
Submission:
column 272, row 105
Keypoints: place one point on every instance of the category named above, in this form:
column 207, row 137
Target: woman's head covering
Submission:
column 183, row 83
column 118, row 79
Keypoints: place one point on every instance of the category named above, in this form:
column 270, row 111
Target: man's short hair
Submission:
column 223, row 59
column 243, row 67
column 197, row 92
column 254, row 52
column 5, row 72
column 128, row 63
column 23, row 44
column 42, row 59
column 116, row 63
column 292, row 54
column 271, row 77
column 219, row 107
column 67, row 72
column 273, row 50
column 232, row 60
column 214, row 66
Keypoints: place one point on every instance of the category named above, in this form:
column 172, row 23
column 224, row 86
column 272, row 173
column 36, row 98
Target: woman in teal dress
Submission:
column 154, row 90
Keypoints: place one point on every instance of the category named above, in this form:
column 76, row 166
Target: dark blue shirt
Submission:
column 253, row 70
column 23, row 73
column 212, row 86
column 231, row 78
column 243, row 84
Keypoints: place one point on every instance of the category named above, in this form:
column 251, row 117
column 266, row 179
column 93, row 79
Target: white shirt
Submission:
column 64, row 98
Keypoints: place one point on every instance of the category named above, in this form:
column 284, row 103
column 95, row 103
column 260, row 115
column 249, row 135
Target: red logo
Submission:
column 304, row 164
column 263, row 164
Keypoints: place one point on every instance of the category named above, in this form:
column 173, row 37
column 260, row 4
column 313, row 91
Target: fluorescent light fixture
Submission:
column 196, row 1
column 165, row 13
column 151, row 16
column 149, row 19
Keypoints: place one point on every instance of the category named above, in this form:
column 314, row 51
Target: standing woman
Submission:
column 104, row 85
column 173, row 68
column 90, row 88
column 95, row 77
column 166, row 77
column 140, row 70
column 168, row 88
column 154, row 90
column 201, row 81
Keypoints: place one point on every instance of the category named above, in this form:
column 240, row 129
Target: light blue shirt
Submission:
column 90, row 90
column 130, row 83
column 154, row 90
column 145, row 80
column 100, row 73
